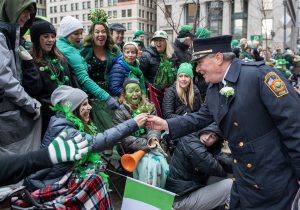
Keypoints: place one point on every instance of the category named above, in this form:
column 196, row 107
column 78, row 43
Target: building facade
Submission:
column 133, row 14
column 274, row 22
column 41, row 8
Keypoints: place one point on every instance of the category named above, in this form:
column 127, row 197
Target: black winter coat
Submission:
column 172, row 106
column 191, row 165
column 182, row 53
column 149, row 63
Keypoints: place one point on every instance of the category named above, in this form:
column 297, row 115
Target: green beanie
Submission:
column 202, row 33
column 138, row 33
column 234, row 43
column 186, row 68
column 186, row 28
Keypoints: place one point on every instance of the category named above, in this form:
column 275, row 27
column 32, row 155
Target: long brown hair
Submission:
column 109, row 44
column 37, row 54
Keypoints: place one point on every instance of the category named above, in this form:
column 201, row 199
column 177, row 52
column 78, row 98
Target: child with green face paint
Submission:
column 133, row 102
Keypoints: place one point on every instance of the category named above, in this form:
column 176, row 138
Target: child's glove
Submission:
column 61, row 150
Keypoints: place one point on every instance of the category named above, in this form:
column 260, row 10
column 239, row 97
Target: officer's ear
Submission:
column 219, row 58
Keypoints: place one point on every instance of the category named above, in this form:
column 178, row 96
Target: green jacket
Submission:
column 77, row 62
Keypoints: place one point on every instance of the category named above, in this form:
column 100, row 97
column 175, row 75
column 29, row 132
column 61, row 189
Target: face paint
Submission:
column 84, row 111
column 133, row 94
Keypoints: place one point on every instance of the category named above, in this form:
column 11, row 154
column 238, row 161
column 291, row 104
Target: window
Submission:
column 151, row 16
column 168, row 11
column 51, row 9
column 140, row 13
column 147, row 28
column 129, row 13
column 83, row 5
column 109, row 13
column 147, row 3
column 83, row 17
column 240, row 18
column 61, row 17
column 55, row 20
column 140, row 26
column 115, row 2
column 89, row 5
column 147, row 16
column 61, row 8
column 109, row 2
column 51, row 20
column 65, row 7
column 143, row 26
column 267, row 28
column 143, row 14
column 115, row 14
column 123, row 13
column 72, row 7
column 77, row 17
column 191, row 10
column 76, row 6
column 267, row 4
column 55, row 9
column 215, row 14
column 96, row 4
column 129, row 26
column 101, row 3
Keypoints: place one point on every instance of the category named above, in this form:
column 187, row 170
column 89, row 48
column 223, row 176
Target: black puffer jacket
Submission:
column 182, row 53
column 172, row 106
column 192, row 164
column 149, row 63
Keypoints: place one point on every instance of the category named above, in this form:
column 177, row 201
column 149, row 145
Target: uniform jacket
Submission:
column 101, row 141
column 80, row 67
column 133, row 142
column 172, row 106
column 16, row 107
column 263, row 131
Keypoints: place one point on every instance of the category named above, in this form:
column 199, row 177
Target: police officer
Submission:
column 256, row 110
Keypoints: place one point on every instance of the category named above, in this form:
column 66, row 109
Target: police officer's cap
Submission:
column 203, row 47
column 117, row 27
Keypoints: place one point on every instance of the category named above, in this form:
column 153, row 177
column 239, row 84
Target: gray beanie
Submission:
column 68, row 96
column 68, row 25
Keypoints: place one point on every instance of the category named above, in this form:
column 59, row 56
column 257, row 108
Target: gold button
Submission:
column 249, row 165
column 234, row 160
column 256, row 186
column 233, row 179
column 241, row 144
column 235, row 124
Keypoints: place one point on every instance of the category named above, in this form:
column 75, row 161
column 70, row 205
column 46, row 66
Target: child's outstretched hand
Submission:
column 141, row 119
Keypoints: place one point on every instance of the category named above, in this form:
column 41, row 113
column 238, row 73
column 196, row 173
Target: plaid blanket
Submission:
column 72, row 193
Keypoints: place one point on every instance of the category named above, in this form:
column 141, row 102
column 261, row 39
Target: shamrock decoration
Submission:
column 98, row 16
column 146, row 108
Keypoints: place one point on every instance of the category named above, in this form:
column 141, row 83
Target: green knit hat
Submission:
column 138, row 33
column 234, row 43
column 186, row 68
column 202, row 33
column 186, row 28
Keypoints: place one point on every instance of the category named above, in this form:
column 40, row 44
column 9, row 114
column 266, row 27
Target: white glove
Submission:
column 62, row 150
column 37, row 109
column 24, row 54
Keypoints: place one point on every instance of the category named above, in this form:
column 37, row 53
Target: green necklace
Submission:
column 55, row 69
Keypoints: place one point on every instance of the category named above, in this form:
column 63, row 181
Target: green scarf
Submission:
column 135, row 72
column 164, row 76
column 89, row 160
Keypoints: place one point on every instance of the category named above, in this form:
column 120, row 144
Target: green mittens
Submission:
column 61, row 150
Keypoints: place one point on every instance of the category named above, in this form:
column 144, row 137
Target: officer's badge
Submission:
column 276, row 85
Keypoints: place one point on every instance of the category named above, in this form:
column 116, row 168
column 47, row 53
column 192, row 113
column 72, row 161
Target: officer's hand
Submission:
column 157, row 123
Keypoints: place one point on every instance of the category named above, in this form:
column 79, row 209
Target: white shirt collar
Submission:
column 224, row 81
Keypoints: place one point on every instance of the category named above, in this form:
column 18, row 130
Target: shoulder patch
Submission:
column 276, row 85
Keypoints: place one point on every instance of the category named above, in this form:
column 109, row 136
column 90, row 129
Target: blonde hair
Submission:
column 169, row 48
column 186, row 96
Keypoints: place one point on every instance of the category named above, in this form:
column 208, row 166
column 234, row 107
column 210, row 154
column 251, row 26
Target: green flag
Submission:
column 142, row 196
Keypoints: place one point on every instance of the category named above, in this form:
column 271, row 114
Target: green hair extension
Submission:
column 98, row 16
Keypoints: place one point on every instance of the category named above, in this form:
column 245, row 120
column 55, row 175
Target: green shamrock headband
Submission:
column 98, row 16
